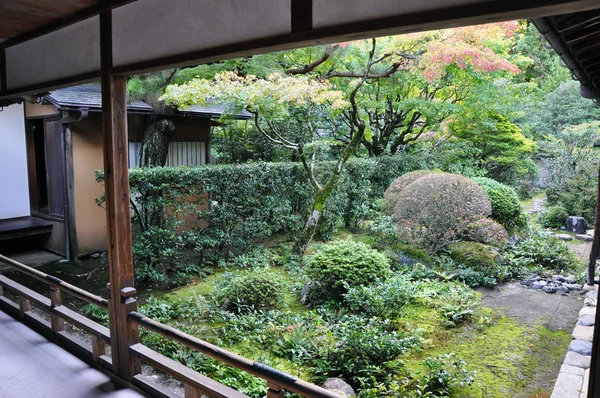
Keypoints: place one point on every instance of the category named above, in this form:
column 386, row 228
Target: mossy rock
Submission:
column 474, row 255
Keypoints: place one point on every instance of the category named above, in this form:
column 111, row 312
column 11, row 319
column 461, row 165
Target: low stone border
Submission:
column 572, row 380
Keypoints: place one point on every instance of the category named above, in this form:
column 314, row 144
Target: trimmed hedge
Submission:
column 225, row 208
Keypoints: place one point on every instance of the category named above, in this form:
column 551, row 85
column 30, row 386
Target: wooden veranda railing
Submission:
column 195, row 384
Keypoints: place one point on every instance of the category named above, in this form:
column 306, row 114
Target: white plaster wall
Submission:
column 14, row 188
column 70, row 51
column 149, row 29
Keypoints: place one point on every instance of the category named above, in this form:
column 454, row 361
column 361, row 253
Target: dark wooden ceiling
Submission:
column 576, row 39
column 18, row 17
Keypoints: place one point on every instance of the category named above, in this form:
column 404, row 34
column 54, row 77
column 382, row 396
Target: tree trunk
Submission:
column 312, row 224
column 155, row 148
column 155, row 143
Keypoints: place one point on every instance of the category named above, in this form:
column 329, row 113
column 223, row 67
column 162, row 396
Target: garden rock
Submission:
column 562, row 289
column 585, row 238
column 581, row 347
column 573, row 286
column 537, row 285
column 565, row 237
column 549, row 289
column 577, row 225
column 339, row 387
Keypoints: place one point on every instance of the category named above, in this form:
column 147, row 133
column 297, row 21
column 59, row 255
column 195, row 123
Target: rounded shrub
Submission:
column 474, row 255
column 554, row 216
column 506, row 207
column 259, row 288
column 392, row 194
column 345, row 264
column 440, row 207
column 489, row 232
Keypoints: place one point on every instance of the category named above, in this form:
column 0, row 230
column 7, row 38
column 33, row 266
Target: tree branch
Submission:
column 310, row 67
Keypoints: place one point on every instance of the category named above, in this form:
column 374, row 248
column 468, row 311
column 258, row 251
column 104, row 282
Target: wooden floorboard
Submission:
column 31, row 366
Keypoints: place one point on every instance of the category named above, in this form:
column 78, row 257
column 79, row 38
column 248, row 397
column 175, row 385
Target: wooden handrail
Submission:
column 91, row 327
column 265, row 372
column 56, row 282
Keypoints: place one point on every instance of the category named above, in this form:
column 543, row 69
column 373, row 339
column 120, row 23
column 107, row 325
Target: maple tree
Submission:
column 288, row 111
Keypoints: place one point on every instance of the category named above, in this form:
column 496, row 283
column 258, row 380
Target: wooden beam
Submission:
column 302, row 15
column 118, row 222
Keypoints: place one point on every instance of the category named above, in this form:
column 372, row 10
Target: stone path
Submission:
column 574, row 373
column 536, row 205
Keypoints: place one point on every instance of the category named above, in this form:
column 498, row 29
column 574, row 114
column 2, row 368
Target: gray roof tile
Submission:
column 90, row 96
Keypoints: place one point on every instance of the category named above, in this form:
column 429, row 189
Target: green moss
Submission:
column 506, row 356
column 413, row 251
column 474, row 255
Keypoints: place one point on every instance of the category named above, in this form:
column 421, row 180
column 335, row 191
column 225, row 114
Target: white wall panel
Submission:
column 149, row 29
column 67, row 52
column 336, row 12
column 14, row 188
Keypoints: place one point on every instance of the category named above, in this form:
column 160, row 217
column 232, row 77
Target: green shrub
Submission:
column 554, row 216
column 392, row 193
column 538, row 249
column 506, row 206
column 363, row 348
column 444, row 375
column 345, row 264
column 385, row 300
column 259, row 288
column 438, row 208
column 171, row 212
column 488, row 232
column 474, row 255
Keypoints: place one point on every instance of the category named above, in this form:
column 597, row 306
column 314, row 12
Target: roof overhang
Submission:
column 155, row 34
column 576, row 39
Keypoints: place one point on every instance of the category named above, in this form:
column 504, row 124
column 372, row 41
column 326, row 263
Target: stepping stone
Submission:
column 586, row 381
column 580, row 347
column 585, row 238
column 593, row 294
column 574, row 359
column 589, row 302
column 566, row 237
column 587, row 320
column 567, row 386
column 585, row 333
column 572, row 370
column 587, row 311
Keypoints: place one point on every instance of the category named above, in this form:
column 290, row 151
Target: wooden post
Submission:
column 24, row 306
column 274, row 391
column 98, row 348
column 192, row 392
column 57, row 323
column 118, row 222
